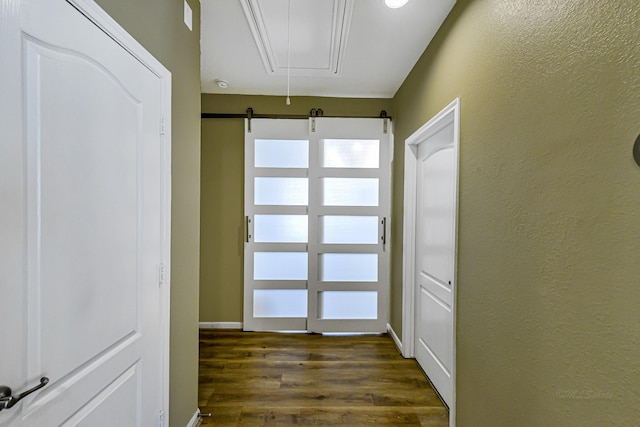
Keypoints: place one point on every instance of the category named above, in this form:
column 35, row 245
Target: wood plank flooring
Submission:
column 269, row 379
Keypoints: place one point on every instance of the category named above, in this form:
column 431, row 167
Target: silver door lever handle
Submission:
column 7, row 400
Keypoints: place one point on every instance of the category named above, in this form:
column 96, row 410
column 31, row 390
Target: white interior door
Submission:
column 435, row 255
column 83, row 223
column 316, row 206
column 349, row 211
column 276, row 210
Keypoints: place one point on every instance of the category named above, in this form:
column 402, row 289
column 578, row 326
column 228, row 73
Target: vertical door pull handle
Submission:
column 384, row 232
column 8, row 401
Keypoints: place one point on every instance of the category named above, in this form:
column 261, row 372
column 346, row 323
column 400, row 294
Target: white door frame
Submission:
column 95, row 14
column 449, row 115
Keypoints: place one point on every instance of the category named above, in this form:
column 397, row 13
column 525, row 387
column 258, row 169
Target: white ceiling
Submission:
column 339, row 48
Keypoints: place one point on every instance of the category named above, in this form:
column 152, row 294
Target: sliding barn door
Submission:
column 349, row 257
column 276, row 234
column 317, row 209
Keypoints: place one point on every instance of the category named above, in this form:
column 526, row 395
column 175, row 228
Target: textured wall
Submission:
column 548, row 280
column 158, row 26
column 222, row 210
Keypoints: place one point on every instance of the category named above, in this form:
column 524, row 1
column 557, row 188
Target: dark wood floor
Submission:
column 267, row 379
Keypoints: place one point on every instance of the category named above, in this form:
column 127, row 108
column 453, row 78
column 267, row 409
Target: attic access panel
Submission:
column 319, row 31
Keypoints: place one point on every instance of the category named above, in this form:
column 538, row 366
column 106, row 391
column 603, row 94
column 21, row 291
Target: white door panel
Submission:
column 82, row 184
column 436, row 217
column 436, row 176
column 437, row 314
column 115, row 395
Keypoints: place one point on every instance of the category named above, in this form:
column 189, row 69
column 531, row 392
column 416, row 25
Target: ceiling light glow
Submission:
column 394, row 4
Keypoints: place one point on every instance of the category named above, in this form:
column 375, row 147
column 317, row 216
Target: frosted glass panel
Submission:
column 280, row 266
column 351, row 153
column 281, row 191
column 349, row 267
column 280, row 303
column 350, row 192
column 281, row 153
column 349, row 229
column 348, row 305
column 280, row 228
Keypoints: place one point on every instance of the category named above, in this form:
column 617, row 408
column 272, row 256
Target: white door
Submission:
column 316, row 206
column 82, row 223
column 349, row 210
column 435, row 255
column 276, row 235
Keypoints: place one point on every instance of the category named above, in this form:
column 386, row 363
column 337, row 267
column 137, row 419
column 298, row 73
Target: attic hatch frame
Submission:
column 315, row 112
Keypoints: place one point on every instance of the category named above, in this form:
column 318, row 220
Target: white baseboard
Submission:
column 395, row 337
column 220, row 325
column 193, row 422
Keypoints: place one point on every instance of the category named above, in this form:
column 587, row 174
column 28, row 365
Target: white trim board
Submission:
column 220, row 325
column 396, row 340
column 195, row 420
column 94, row 13
column 450, row 114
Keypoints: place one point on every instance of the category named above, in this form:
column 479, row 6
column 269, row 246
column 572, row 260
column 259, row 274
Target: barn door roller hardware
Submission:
column 384, row 117
column 315, row 112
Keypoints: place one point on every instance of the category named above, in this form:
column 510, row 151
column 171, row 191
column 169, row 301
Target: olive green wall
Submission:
column 158, row 26
column 549, row 220
column 222, row 209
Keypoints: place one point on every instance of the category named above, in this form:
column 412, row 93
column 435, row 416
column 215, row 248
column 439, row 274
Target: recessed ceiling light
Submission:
column 222, row 84
column 394, row 4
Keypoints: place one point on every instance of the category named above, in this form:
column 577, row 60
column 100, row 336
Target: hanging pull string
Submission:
column 288, row 50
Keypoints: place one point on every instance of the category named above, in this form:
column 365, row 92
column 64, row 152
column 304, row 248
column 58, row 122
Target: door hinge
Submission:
column 161, row 274
column 161, row 418
column 163, row 129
